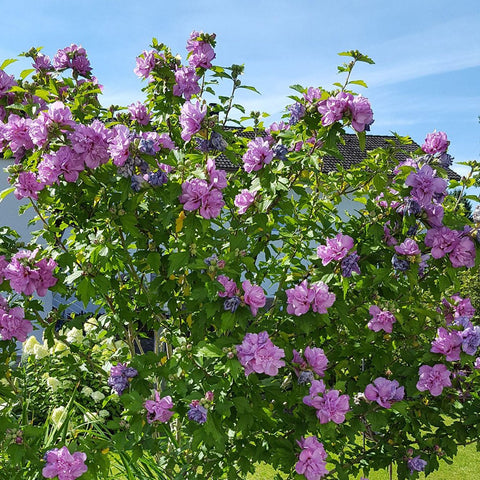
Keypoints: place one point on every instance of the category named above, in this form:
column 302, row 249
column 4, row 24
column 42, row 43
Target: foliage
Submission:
column 154, row 240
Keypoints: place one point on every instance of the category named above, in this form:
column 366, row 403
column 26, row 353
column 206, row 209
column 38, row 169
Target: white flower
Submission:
column 74, row 335
column 92, row 417
column 87, row 391
column 97, row 396
column 119, row 344
column 40, row 351
column 104, row 413
column 89, row 417
column 29, row 345
column 53, row 383
column 59, row 347
column 107, row 367
column 358, row 398
column 59, row 415
column 90, row 325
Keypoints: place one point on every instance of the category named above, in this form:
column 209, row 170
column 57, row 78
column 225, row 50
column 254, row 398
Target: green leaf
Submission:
column 248, row 87
column 345, row 285
column 16, row 88
column 401, row 407
column 85, row 291
column 238, row 107
column 153, row 260
column 356, row 55
column 17, row 106
column 209, row 351
column 220, row 73
column 103, row 284
column 6, row 192
column 129, row 222
column 297, row 88
column 362, row 137
column 358, row 82
column 7, row 62
column 53, row 86
column 26, row 73
column 379, row 182
column 377, row 420
column 177, row 260
column 43, row 94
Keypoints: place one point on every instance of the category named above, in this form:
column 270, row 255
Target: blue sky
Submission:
column 427, row 53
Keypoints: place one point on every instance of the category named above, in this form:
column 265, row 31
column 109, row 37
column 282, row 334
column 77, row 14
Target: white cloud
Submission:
column 446, row 47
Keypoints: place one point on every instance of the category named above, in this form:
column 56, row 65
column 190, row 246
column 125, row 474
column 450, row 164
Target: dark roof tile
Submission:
column 351, row 152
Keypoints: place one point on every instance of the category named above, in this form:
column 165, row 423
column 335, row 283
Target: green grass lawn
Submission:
column 466, row 466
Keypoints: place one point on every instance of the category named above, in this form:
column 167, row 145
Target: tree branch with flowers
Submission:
column 326, row 344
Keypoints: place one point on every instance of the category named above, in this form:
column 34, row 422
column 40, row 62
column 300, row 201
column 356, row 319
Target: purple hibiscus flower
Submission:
column 331, row 406
column 384, row 392
column 14, row 324
column 433, row 379
column 441, row 240
column 243, row 200
column 381, row 319
column 200, row 50
column 416, row 464
column 229, row 285
column 119, row 376
column 299, row 299
column 145, row 63
column 6, row 82
column 322, row 299
column 258, row 154
column 159, row 410
column 139, row 113
column 187, row 82
column 191, row 116
column 258, row 354
column 335, row 249
column 448, row 344
column 408, row 247
column 312, row 459
column 65, row 465
column 435, row 142
column 425, row 185
column 197, row 413
column 254, row 296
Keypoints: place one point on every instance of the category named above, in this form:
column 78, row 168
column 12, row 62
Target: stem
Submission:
column 351, row 65
column 460, row 196
column 130, row 340
column 139, row 345
column 58, row 242
column 131, row 267
column 230, row 100
column 11, row 383
column 40, row 320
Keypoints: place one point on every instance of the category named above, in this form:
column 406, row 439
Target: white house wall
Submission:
column 9, row 217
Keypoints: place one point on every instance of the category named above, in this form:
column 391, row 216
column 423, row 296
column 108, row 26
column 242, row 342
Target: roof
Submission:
column 351, row 152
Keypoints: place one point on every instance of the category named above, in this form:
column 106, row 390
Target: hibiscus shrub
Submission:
column 283, row 328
